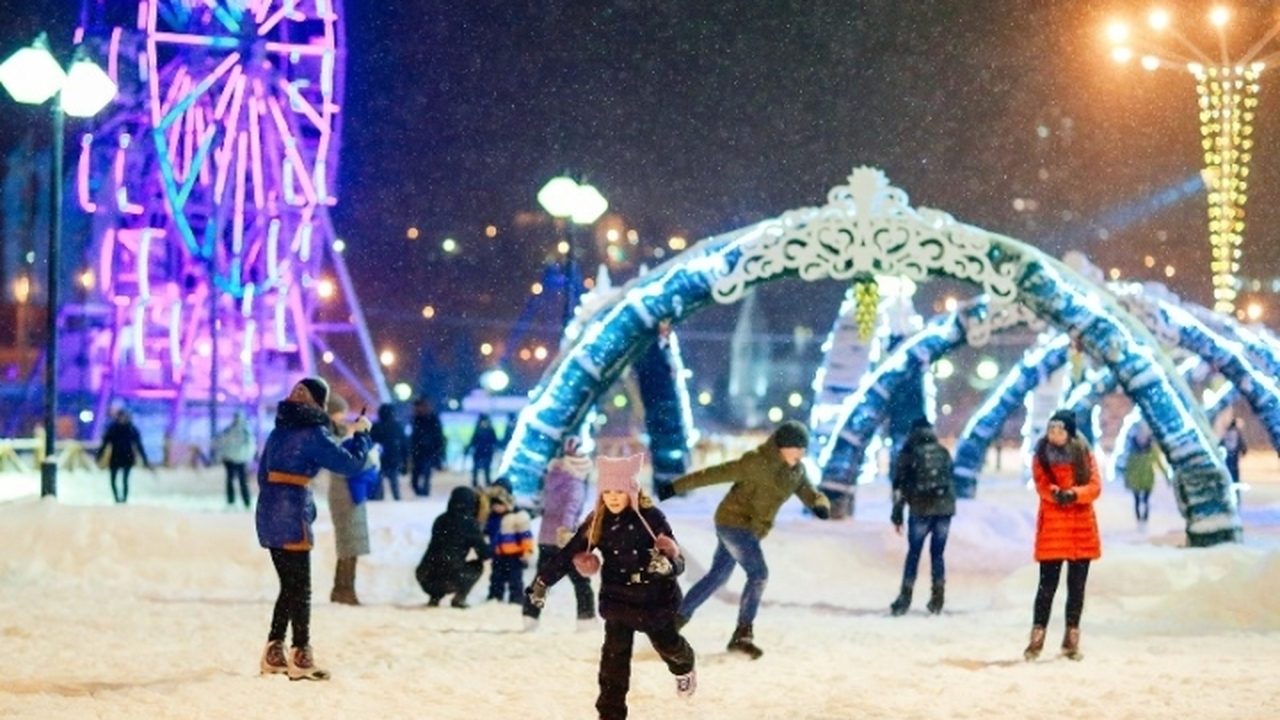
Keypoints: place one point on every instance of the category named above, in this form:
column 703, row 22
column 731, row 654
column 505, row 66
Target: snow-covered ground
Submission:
column 159, row 609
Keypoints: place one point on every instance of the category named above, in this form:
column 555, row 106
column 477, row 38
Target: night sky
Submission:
column 695, row 118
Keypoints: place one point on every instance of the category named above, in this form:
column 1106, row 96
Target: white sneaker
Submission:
column 687, row 684
column 530, row 623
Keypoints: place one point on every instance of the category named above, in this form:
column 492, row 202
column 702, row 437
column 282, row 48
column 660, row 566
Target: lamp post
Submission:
column 1227, row 93
column 571, row 203
column 31, row 76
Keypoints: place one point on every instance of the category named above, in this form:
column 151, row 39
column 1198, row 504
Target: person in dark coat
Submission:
column 932, row 503
column 455, row 557
column 1233, row 448
column 484, row 441
column 301, row 445
column 427, row 447
column 388, row 434
column 638, row 587
column 123, row 442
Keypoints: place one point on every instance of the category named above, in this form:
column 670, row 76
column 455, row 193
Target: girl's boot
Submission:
column 1036, row 645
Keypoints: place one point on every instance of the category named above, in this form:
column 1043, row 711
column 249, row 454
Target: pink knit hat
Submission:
column 620, row 474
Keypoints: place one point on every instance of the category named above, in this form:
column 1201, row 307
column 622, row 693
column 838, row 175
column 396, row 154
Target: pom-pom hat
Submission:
column 620, row 474
column 1067, row 419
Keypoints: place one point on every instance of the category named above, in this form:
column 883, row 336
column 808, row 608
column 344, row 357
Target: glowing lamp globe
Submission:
column 589, row 205
column 87, row 90
column 32, row 75
column 559, row 196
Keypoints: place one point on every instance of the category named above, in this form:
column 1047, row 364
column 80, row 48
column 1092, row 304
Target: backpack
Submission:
column 932, row 471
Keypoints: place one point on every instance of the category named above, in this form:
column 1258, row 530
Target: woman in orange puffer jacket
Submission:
column 1067, row 481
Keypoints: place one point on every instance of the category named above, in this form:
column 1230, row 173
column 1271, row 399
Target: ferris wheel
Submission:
column 210, row 189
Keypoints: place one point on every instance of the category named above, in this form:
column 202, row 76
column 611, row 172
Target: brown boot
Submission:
column 1036, row 645
column 344, row 583
column 1071, row 644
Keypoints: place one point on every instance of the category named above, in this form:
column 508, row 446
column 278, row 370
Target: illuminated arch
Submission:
column 867, row 227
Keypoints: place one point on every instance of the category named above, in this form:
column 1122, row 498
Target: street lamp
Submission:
column 1227, row 92
column 572, row 204
column 31, row 76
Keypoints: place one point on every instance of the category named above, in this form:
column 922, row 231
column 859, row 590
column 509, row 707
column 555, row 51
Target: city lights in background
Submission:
column 411, row 233
column 387, row 358
column 402, row 390
column 325, row 289
column 486, row 349
column 327, row 357
column 1227, row 92
column 449, row 245
column 495, row 381
column 704, row 398
column 428, row 311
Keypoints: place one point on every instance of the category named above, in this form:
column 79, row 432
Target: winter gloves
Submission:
column 586, row 563
column 667, row 546
column 536, row 593
column 1064, row 497
column 665, row 490
column 822, row 512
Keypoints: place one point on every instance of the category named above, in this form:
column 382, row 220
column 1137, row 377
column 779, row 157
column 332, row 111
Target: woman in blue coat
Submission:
column 300, row 446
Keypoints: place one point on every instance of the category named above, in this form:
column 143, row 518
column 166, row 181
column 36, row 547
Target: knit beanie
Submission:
column 791, row 434
column 1067, row 419
column 620, row 474
column 318, row 388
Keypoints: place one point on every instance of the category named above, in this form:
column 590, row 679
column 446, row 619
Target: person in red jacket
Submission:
column 1067, row 481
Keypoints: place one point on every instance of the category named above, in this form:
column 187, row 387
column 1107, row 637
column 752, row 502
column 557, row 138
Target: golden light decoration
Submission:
column 866, row 296
column 1227, row 93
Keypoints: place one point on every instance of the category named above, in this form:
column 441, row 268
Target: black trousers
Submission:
column 236, row 471
column 420, row 478
column 581, row 587
column 1142, row 504
column 1050, row 573
column 121, row 491
column 506, row 578
column 293, row 604
column 615, row 660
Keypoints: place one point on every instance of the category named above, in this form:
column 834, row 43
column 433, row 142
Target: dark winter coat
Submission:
column 455, row 534
column 484, row 441
column 299, row 447
column 124, row 443
column 426, row 440
column 389, row 433
column 904, row 479
column 762, row 482
column 628, row 591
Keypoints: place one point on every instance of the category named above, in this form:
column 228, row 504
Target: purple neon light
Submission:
column 82, row 174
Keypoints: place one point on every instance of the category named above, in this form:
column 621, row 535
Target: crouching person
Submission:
column 638, row 588
column 455, row 556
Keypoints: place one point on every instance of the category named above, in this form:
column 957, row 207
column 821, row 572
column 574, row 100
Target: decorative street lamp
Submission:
column 571, row 204
column 1228, row 98
column 31, row 76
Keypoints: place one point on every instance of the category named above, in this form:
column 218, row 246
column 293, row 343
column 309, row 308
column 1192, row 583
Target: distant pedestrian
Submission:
column 235, row 446
column 301, row 445
column 763, row 479
column 1067, row 481
column 347, row 507
column 120, row 450
column 1142, row 457
column 1234, row 448
column 388, row 434
column 564, row 492
column 427, row 447
column 923, row 481
column 484, row 441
